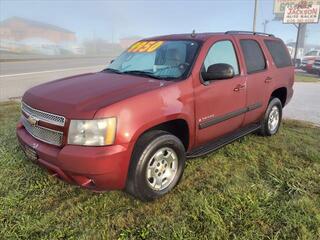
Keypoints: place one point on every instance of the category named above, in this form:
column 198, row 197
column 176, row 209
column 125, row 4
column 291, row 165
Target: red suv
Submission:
column 165, row 99
column 308, row 60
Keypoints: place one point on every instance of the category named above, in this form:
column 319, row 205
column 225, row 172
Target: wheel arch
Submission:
column 178, row 127
column 280, row 93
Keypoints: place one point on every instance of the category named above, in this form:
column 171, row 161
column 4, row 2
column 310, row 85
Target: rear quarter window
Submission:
column 253, row 55
column 279, row 53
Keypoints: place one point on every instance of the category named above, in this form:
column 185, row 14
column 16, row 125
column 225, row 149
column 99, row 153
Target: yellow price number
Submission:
column 145, row 46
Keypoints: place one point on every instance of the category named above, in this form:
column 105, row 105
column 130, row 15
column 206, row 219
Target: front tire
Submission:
column 157, row 165
column 272, row 118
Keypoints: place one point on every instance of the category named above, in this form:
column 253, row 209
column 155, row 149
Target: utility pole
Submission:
column 297, row 44
column 255, row 15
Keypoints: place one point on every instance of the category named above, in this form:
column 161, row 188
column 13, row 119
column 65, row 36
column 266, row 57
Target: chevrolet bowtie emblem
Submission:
column 33, row 121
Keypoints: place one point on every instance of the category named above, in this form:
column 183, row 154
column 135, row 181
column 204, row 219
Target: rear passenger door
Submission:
column 257, row 77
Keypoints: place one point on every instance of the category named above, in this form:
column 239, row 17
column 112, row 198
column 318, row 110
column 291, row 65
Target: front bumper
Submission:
column 98, row 168
column 316, row 68
column 306, row 67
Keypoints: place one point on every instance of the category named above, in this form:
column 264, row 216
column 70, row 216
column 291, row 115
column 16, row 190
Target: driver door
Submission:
column 219, row 104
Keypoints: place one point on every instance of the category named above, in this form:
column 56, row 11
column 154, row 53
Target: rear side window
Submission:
column 253, row 55
column 279, row 53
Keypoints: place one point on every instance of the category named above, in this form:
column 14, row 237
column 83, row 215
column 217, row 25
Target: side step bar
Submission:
column 222, row 141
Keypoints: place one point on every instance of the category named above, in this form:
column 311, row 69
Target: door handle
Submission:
column 268, row 79
column 239, row 87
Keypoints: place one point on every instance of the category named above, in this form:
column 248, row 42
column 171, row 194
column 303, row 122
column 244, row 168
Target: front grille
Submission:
column 43, row 116
column 43, row 134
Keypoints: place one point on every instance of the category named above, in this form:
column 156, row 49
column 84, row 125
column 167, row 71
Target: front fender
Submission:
column 137, row 114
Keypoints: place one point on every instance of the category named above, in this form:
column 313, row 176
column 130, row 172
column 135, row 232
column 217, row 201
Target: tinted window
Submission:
column 222, row 52
column 279, row 53
column 253, row 56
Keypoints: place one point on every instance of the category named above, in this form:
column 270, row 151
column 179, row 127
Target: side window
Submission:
column 222, row 52
column 278, row 52
column 253, row 55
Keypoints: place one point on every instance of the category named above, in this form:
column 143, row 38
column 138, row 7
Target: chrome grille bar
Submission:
column 43, row 134
column 43, row 116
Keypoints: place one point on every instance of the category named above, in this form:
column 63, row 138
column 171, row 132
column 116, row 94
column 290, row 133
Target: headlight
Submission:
column 99, row 132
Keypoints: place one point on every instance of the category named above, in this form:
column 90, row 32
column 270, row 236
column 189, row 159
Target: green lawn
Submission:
column 255, row 188
column 303, row 78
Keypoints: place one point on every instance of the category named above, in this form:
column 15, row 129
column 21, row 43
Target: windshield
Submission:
column 158, row 59
column 312, row 53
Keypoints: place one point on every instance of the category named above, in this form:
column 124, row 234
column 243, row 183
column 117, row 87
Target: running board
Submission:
column 222, row 141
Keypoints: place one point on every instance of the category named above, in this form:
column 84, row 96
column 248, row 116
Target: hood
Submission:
column 79, row 97
column 309, row 58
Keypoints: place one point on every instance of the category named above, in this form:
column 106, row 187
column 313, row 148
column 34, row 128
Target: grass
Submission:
column 255, row 188
column 305, row 78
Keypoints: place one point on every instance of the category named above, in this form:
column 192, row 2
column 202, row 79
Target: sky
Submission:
column 112, row 20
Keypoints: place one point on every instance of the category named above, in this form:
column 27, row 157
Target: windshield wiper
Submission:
column 112, row 70
column 138, row 73
column 143, row 73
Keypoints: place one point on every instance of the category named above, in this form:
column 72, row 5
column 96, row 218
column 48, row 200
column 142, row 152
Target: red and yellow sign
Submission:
column 302, row 14
column 145, row 46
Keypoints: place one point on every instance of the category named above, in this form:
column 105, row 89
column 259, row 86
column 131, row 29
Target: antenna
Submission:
column 193, row 34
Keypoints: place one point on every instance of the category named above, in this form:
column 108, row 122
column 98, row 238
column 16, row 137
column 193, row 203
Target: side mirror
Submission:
column 218, row 71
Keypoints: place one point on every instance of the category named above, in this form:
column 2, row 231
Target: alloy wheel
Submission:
column 162, row 168
column 273, row 120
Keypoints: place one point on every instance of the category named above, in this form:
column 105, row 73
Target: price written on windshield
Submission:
column 145, row 46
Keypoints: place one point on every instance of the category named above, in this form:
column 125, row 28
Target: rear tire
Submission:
column 272, row 118
column 157, row 165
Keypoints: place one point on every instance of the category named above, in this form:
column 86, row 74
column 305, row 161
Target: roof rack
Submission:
column 249, row 32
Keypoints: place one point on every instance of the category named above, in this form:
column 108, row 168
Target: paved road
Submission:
column 305, row 103
column 9, row 68
column 17, row 77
